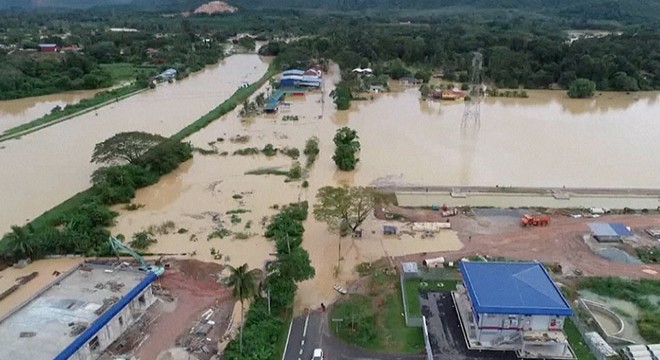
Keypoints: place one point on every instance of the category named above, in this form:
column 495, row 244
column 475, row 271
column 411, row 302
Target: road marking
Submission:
column 300, row 352
column 302, row 343
column 287, row 340
column 305, row 329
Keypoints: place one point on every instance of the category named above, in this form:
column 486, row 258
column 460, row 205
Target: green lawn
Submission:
column 581, row 350
column 412, row 287
column 124, row 71
column 375, row 321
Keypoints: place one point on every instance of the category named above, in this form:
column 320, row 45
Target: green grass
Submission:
column 397, row 337
column 120, row 71
column 413, row 286
column 375, row 320
column 580, row 349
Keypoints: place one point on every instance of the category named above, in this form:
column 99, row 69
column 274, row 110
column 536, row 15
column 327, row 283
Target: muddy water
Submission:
column 45, row 268
column 205, row 187
column 626, row 310
column 20, row 111
column 52, row 164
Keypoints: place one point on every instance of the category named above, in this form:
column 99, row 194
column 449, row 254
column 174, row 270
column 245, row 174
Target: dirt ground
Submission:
column 497, row 232
column 187, row 290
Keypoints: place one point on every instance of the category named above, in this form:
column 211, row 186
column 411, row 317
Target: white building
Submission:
column 512, row 306
column 77, row 316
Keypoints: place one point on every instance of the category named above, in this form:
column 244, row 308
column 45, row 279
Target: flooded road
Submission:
column 21, row 111
column 51, row 165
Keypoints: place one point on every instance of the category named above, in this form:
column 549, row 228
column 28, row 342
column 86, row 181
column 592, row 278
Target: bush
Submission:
column 582, row 88
column 311, row 150
column 142, row 240
column 293, row 153
column 346, row 146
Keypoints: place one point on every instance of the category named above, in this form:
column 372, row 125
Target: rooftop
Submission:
column 512, row 288
column 609, row 229
column 46, row 324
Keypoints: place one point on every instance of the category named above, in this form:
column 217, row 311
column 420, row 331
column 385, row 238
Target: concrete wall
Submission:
column 491, row 326
column 116, row 327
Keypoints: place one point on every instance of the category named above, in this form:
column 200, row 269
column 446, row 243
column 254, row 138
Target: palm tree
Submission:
column 21, row 240
column 243, row 282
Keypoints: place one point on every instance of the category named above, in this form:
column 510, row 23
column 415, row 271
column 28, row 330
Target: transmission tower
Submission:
column 472, row 112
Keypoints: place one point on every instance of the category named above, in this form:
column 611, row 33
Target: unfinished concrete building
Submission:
column 77, row 316
column 512, row 306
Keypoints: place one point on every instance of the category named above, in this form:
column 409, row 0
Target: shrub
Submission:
column 142, row 240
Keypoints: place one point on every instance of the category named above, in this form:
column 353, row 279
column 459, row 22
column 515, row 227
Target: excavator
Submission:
column 119, row 247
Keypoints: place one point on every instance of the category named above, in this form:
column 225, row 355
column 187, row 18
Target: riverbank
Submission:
column 70, row 111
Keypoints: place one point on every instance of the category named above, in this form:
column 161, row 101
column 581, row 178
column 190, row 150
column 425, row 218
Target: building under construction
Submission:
column 78, row 315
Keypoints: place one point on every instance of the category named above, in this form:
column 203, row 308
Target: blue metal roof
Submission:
column 609, row 229
column 293, row 72
column 512, row 288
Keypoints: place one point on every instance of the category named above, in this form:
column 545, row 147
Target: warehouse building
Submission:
column 77, row 316
column 512, row 306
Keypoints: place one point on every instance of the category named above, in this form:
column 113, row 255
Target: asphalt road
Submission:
column 309, row 332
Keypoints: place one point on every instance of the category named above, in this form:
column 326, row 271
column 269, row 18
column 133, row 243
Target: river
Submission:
column 20, row 111
column 45, row 168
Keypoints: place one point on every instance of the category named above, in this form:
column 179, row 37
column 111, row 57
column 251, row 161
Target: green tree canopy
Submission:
column 243, row 282
column 125, row 147
column 582, row 88
column 346, row 146
column 347, row 205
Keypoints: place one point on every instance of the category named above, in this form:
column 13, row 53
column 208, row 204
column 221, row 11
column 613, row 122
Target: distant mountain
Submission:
column 80, row 4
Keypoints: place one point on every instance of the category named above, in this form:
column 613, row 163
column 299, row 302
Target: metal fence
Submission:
column 411, row 321
column 427, row 341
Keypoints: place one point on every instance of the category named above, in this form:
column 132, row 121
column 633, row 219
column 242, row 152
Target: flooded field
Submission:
column 545, row 140
column 20, row 111
column 53, row 164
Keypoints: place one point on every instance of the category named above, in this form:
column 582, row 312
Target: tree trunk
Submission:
column 242, row 323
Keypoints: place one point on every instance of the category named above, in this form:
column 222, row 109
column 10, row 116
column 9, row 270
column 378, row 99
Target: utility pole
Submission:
column 268, row 300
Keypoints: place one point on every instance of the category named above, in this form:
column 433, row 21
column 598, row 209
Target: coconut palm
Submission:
column 21, row 240
column 243, row 282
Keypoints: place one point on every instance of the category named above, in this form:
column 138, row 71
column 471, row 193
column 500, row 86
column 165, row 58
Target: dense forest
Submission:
column 87, row 43
column 521, row 48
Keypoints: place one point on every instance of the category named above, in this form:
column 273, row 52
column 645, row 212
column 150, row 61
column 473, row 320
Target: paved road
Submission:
column 309, row 332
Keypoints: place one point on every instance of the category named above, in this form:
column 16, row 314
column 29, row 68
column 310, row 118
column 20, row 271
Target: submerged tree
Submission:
column 125, row 147
column 346, row 145
column 582, row 88
column 344, row 205
column 243, row 282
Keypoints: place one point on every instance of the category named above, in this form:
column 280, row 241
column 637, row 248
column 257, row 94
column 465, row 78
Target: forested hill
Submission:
column 618, row 10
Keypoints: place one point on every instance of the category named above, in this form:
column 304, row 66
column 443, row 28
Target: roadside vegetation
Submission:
column 582, row 351
column 264, row 329
column 374, row 320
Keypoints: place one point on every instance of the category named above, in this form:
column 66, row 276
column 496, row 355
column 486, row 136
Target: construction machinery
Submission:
column 534, row 220
column 119, row 247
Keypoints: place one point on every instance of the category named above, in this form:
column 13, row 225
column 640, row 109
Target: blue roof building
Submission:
column 512, row 306
column 609, row 232
column 512, row 288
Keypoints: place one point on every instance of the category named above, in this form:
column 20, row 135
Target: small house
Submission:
column 409, row 80
column 48, row 47
column 450, row 94
column 389, row 230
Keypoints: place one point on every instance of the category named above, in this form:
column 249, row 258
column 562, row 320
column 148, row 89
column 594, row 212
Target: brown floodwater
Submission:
column 544, row 140
column 45, row 168
column 20, row 111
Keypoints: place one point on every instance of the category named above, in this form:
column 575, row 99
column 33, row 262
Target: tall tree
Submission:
column 346, row 145
column 125, row 147
column 243, row 282
column 344, row 205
